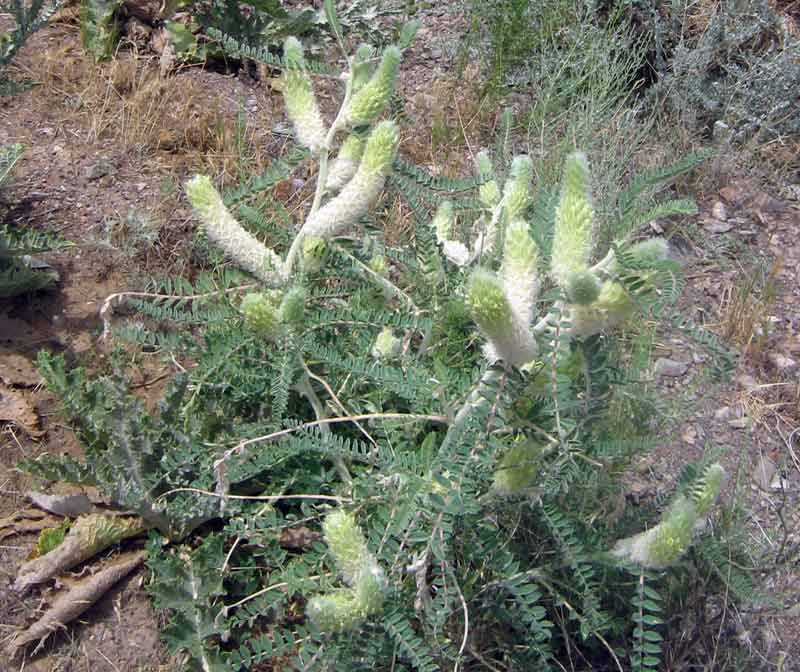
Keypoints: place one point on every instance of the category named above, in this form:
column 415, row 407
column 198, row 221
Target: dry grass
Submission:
column 129, row 103
column 745, row 310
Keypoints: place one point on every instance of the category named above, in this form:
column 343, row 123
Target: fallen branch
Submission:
column 72, row 602
column 87, row 537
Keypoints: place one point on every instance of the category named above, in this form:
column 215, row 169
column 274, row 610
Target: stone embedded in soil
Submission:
column 717, row 226
column 764, row 472
column 723, row 413
column 719, row 211
column 747, row 382
column 670, row 367
column 781, row 362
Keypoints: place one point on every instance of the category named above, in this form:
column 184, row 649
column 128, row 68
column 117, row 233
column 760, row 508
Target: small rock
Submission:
column 721, row 132
column 764, row 472
column 719, row 211
column 98, row 170
column 778, row 483
column 738, row 423
column 723, row 413
column 747, row 382
column 670, row 367
column 781, row 362
column 717, row 226
column 732, row 194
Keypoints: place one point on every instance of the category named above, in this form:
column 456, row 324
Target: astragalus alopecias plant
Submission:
column 352, row 475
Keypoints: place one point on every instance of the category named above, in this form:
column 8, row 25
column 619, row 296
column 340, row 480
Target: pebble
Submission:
column 781, row 362
column 670, row 367
column 717, row 226
column 719, row 211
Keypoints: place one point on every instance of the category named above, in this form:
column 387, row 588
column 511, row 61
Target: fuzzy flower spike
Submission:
column 520, row 274
column 572, row 241
column 346, row 163
column 509, row 338
column 360, row 192
column 347, row 608
column 298, row 96
column 223, row 229
column 371, row 98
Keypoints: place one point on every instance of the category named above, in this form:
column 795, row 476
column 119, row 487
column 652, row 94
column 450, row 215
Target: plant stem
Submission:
column 474, row 402
column 306, row 389
column 322, row 173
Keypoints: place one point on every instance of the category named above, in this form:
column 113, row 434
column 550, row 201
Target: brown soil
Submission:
column 107, row 148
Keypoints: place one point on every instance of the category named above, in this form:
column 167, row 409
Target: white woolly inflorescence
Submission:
column 346, row 163
column 508, row 338
column 223, row 230
column 355, row 199
column 664, row 544
column 520, row 273
column 298, row 96
column 347, row 608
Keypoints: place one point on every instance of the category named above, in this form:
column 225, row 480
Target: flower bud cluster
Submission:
column 271, row 312
column 596, row 305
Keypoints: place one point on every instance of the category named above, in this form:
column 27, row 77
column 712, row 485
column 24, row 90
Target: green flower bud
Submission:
column 444, row 221
column 386, row 345
column 517, row 190
column 612, row 307
column 260, row 312
column 381, row 149
column 298, row 96
column 292, row 306
column 520, row 273
column 346, row 609
column 582, row 287
column 314, row 251
column 371, row 99
column 615, row 302
column 362, row 66
column 483, row 164
column 648, row 253
column 347, row 545
column 518, row 470
column 572, row 240
column 707, row 490
column 346, row 163
column 488, row 192
column 378, row 264
column 223, row 230
column 488, row 303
